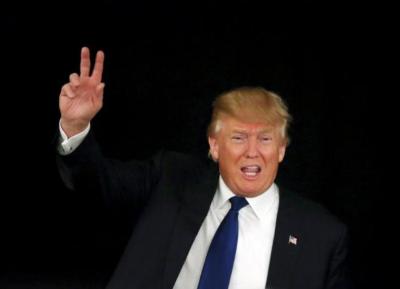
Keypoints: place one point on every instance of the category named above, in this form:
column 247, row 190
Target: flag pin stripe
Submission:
column 292, row 240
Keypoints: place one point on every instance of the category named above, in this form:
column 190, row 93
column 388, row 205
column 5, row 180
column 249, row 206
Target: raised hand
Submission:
column 82, row 97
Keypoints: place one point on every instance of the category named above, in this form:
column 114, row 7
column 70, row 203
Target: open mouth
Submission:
column 251, row 171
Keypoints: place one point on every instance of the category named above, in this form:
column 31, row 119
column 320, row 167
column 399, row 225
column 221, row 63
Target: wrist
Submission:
column 72, row 128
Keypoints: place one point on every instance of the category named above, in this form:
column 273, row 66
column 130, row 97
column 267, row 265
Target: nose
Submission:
column 252, row 149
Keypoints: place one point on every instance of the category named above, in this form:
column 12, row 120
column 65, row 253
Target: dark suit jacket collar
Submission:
column 284, row 253
column 192, row 211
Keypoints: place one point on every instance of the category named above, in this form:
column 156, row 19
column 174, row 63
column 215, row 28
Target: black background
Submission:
column 164, row 65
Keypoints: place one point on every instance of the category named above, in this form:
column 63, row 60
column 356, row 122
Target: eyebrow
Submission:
column 239, row 131
column 243, row 131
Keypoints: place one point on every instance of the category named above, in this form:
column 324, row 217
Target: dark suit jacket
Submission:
column 175, row 191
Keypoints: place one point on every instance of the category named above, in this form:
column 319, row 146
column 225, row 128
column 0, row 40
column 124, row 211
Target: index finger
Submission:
column 98, row 66
column 85, row 62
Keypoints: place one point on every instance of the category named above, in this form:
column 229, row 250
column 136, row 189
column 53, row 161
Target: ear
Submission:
column 214, row 148
column 282, row 151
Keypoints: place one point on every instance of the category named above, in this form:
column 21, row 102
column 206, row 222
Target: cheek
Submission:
column 233, row 153
column 229, row 156
column 272, row 156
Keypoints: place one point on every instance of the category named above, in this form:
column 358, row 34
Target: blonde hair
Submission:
column 251, row 104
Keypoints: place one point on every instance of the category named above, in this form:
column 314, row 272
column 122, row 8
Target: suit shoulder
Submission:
column 313, row 213
column 181, row 164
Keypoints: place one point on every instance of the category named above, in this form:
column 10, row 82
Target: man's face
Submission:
column 248, row 155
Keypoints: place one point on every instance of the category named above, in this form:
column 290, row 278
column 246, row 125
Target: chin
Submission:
column 251, row 193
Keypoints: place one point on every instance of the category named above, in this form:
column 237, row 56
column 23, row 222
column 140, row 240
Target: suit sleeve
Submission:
column 339, row 268
column 121, row 184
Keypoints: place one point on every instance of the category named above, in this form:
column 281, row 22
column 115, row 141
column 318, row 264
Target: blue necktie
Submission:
column 218, row 265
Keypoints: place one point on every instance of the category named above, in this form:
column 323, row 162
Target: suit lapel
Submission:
column 284, row 252
column 192, row 211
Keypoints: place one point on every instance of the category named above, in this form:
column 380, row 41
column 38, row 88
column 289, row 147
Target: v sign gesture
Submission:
column 82, row 97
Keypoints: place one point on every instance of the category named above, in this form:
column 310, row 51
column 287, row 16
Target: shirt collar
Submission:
column 260, row 204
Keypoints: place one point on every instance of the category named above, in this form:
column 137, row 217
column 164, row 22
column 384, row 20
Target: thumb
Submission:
column 100, row 91
column 100, row 88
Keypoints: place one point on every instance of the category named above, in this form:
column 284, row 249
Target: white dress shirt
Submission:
column 68, row 145
column 256, row 234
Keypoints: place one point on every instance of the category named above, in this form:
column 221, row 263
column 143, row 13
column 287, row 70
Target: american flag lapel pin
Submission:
column 292, row 240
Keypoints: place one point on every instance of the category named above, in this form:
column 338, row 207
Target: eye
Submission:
column 265, row 139
column 238, row 138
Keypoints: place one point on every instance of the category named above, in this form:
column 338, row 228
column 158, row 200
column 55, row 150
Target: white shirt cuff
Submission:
column 68, row 145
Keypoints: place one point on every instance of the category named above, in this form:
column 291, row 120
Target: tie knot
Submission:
column 237, row 203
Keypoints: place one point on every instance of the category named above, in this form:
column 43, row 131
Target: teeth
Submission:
column 250, row 174
column 251, row 170
column 252, row 167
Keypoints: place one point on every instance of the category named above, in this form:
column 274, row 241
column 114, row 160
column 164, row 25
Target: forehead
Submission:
column 230, row 124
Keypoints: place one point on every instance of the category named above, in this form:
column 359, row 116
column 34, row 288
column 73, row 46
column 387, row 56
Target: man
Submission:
column 281, row 241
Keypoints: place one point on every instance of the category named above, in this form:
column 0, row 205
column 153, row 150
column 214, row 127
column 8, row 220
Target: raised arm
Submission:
column 82, row 97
